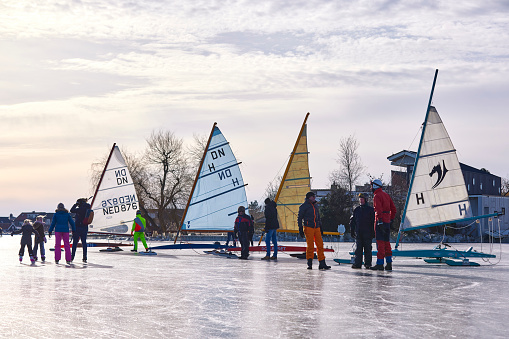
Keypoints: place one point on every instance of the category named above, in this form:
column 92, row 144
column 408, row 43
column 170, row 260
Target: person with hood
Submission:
column 139, row 227
column 243, row 230
column 271, row 226
column 60, row 223
column 40, row 239
column 385, row 212
column 362, row 230
column 26, row 239
column 310, row 226
column 81, row 210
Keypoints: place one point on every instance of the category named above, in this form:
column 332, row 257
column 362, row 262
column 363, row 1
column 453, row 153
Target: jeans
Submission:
column 81, row 232
column 36, row 246
column 271, row 235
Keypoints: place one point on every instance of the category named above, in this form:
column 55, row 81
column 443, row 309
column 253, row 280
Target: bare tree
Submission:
column 196, row 150
column 350, row 165
column 165, row 178
column 504, row 190
column 272, row 188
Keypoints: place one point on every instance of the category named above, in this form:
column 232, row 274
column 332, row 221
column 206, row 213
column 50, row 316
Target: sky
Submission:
column 78, row 76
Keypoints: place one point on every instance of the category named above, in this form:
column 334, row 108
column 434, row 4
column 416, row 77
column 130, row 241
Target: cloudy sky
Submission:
column 77, row 76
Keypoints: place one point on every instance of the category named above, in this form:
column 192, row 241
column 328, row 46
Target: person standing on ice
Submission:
column 40, row 239
column 385, row 212
column 271, row 226
column 362, row 229
column 139, row 226
column 26, row 239
column 60, row 223
column 81, row 208
column 243, row 229
column 310, row 226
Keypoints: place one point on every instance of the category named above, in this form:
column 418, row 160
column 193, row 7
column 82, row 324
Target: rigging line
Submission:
column 418, row 131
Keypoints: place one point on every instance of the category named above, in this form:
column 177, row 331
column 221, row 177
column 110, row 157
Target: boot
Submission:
column 133, row 250
column 310, row 264
column 273, row 258
column 43, row 258
column 20, row 259
column 388, row 267
column 323, row 265
column 378, row 267
column 85, row 261
column 356, row 266
column 266, row 257
column 32, row 260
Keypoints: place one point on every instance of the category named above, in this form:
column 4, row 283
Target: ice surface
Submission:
column 188, row 294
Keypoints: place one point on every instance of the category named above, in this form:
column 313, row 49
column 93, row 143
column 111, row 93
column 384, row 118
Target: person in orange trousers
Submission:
column 310, row 226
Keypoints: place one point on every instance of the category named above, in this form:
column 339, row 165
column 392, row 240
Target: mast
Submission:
column 291, row 158
column 102, row 175
column 417, row 158
column 195, row 181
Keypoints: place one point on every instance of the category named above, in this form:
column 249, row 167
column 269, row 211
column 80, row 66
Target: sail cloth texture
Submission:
column 219, row 189
column 295, row 185
column 438, row 192
column 115, row 202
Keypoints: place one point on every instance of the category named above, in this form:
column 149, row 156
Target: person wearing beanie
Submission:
column 310, row 226
column 385, row 212
column 271, row 226
column 243, row 229
column 60, row 223
column 26, row 239
column 40, row 239
column 362, row 229
column 81, row 208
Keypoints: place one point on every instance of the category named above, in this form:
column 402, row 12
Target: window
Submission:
column 493, row 182
column 473, row 181
column 503, row 210
column 480, row 185
column 468, row 187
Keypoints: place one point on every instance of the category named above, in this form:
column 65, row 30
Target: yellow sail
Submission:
column 295, row 184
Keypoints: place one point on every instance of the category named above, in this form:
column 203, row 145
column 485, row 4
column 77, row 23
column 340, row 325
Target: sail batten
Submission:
column 115, row 201
column 218, row 190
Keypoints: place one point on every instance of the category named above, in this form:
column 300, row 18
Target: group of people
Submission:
column 366, row 223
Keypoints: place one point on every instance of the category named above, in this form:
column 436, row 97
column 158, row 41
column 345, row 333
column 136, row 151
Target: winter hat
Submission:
column 363, row 196
column 267, row 201
column 138, row 212
column 309, row 195
column 241, row 209
column 60, row 206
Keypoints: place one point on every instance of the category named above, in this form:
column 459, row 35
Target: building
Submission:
column 484, row 189
column 18, row 221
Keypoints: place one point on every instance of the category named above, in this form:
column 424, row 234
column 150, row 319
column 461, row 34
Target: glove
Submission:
column 49, row 235
column 301, row 232
column 12, row 234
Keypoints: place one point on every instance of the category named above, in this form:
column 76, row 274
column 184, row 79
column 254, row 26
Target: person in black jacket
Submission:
column 310, row 226
column 243, row 230
column 271, row 226
column 362, row 229
column 80, row 208
column 26, row 239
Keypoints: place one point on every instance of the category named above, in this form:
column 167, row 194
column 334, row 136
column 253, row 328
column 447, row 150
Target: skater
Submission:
column 139, row 226
column 26, row 239
column 362, row 229
column 81, row 208
column 40, row 239
column 271, row 226
column 385, row 212
column 243, row 231
column 60, row 223
column 312, row 230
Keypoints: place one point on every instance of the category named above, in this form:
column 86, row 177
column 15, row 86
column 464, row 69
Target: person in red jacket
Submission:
column 385, row 212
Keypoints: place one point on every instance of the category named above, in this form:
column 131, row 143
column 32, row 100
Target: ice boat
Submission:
column 437, row 194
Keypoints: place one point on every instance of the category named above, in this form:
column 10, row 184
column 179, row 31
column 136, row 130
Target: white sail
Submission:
column 219, row 189
column 115, row 202
column 438, row 193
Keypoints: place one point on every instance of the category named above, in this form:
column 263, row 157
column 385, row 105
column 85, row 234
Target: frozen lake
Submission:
column 188, row 294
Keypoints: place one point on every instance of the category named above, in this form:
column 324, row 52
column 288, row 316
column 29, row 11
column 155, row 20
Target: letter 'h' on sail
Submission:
column 115, row 201
column 218, row 189
column 296, row 182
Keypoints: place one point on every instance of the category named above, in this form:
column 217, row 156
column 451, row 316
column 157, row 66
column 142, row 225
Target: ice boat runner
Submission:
column 437, row 194
column 217, row 192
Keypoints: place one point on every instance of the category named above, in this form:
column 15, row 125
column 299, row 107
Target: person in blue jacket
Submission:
column 60, row 223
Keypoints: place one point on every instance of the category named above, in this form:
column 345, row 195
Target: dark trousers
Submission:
column 80, row 233
column 231, row 236
column 364, row 244
column 36, row 247
column 244, row 243
column 28, row 244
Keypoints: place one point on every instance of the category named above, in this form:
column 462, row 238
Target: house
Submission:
column 18, row 221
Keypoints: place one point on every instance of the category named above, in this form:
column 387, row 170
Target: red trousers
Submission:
column 383, row 249
column 314, row 235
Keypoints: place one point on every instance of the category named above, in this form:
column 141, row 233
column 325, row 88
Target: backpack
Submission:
column 89, row 217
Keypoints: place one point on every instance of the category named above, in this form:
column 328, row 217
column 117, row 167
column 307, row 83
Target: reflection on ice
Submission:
column 189, row 294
